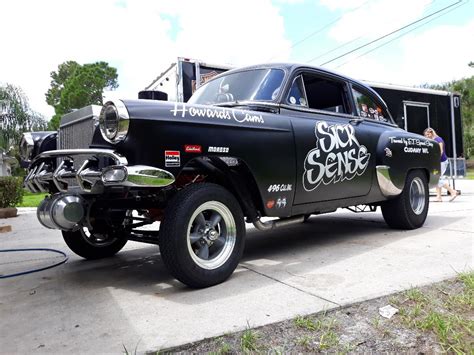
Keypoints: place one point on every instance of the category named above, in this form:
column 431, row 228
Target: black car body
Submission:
column 279, row 140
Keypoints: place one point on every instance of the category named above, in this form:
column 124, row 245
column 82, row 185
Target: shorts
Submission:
column 442, row 178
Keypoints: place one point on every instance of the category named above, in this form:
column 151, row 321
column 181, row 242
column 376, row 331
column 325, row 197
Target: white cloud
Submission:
column 238, row 32
column 132, row 36
column 342, row 4
column 438, row 55
column 290, row 2
column 375, row 18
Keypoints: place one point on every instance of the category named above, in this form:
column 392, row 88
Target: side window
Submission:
column 368, row 107
column 319, row 93
column 297, row 95
column 325, row 94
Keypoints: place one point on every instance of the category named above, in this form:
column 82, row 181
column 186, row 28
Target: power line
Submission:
column 347, row 43
column 335, row 49
column 391, row 33
column 403, row 34
column 312, row 34
column 328, row 24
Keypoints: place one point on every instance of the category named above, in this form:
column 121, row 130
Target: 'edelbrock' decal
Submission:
column 338, row 156
column 216, row 113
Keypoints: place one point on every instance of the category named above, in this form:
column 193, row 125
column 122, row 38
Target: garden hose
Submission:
column 37, row 269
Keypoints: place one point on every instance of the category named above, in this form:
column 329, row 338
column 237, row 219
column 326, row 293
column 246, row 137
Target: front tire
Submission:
column 93, row 246
column 202, row 235
column 409, row 209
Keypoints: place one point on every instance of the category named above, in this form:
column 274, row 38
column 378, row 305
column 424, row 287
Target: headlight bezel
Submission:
column 27, row 145
column 115, row 113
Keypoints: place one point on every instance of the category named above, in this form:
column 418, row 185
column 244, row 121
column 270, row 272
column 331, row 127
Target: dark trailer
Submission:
column 415, row 109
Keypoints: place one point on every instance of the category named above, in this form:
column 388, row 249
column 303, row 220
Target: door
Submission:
column 333, row 159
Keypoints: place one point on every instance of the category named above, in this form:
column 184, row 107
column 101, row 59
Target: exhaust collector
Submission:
column 61, row 211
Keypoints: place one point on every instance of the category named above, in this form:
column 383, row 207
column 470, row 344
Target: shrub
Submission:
column 11, row 191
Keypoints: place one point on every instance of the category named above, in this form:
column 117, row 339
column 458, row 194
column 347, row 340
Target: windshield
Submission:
column 251, row 85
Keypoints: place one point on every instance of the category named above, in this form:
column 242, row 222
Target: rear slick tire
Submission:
column 409, row 209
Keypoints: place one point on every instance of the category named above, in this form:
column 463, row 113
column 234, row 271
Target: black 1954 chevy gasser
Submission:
column 276, row 140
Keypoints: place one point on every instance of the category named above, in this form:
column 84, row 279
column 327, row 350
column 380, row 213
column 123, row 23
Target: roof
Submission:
column 289, row 67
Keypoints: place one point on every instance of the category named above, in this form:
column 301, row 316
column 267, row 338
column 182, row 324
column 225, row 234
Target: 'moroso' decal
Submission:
column 338, row 156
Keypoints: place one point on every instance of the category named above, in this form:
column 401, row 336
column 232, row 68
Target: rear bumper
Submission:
column 99, row 168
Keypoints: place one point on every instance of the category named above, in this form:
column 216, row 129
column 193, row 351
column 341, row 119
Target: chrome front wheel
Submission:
column 212, row 235
column 202, row 235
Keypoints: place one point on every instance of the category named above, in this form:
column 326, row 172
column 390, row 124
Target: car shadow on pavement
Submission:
column 295, row 250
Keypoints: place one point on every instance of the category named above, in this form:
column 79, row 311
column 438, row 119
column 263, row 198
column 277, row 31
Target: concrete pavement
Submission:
column 335, row 259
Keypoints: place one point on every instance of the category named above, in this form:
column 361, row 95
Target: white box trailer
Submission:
column 178, row 82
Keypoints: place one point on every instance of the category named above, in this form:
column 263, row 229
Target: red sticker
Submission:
column 270, row 204
column 189, row 148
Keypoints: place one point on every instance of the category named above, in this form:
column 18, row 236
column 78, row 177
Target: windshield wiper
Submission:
column 229, row 104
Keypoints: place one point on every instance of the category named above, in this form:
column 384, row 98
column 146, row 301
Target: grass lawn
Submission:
column 432, row 319
column 31, row 199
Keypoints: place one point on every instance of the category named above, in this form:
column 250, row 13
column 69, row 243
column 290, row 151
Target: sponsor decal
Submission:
column 280, row 188
column 218, row 150
column 337, row 157
column 172, row 158
column 270, row 204
column 388, row 152
column 240, row 116
column 412, row 145
column 192, row 148
column 281, row 202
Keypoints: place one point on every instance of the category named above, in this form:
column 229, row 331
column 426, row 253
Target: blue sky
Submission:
column 142, row 37
column 300, row 22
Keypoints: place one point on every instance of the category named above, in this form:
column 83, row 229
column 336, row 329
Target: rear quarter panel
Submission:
column 403, row 151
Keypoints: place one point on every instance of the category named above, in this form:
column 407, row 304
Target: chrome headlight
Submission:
column 114, row 121
column 26, row 146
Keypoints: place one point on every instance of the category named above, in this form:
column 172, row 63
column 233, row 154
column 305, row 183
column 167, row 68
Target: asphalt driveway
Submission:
column 335, row 259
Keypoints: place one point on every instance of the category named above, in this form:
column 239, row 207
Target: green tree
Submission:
column 59, row 78
column 16, row 116
column 464, row 87
column 74, row 86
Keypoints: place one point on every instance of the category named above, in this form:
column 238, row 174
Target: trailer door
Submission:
column 417, row 116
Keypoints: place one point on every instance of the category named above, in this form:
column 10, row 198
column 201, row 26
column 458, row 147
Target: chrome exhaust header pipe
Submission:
column 266, row 226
